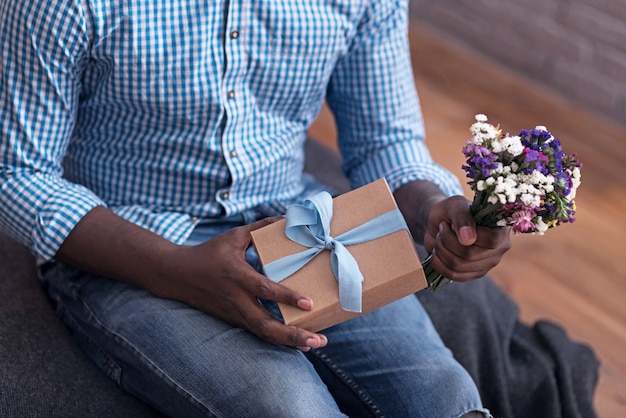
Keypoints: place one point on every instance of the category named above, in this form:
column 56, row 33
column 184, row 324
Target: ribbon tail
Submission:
column 284, row 267
column 349, row 278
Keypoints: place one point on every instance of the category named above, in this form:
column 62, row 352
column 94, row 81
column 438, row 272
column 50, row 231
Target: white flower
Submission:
column 505, row 189
column 530, row 200
column 541, row 226
column 576, row 180
column 513, row 145
column 483, row 132
column 536, row 183
column 496, row 147
column 480, row 117
column 491, row 131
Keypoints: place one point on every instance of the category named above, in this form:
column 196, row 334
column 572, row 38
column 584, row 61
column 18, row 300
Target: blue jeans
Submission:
column 390, row 362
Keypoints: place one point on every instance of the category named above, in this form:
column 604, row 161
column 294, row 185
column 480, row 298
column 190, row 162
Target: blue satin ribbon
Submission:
column 308, row 224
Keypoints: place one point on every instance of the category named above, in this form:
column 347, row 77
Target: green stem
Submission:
column 434, row 279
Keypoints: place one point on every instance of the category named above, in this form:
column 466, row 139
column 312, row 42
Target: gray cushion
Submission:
column 42, row 372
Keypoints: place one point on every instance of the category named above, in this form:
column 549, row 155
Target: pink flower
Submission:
column 522, row 221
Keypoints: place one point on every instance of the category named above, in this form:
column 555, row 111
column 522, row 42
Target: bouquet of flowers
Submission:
column 524, row 181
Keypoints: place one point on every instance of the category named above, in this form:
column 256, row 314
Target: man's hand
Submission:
column 213, row 277
column 460, row 250
column 216, row 278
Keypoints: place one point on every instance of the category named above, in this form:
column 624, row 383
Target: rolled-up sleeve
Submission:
column 43, row 47
column 373, row 98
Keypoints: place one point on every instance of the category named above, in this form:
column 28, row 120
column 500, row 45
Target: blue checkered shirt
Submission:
column 168, row 112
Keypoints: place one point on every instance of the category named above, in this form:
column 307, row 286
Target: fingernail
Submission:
column 466, row 234
column 312, row 342
column 306, row 304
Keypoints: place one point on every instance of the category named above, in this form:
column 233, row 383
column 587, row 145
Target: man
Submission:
column 143, row 141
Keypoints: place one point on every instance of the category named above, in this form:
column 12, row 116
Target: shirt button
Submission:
column 225, row 195
column 194, row 219
column 233, row 153
column 234, row 34
column 231, row 94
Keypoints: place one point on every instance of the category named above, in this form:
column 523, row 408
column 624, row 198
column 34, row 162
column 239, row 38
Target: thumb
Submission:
column 462, row 223
column 466, row 234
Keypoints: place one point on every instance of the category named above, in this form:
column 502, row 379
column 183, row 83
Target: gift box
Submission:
column 388, row 264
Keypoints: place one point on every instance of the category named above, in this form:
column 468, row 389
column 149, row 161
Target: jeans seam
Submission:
column 113, row 369
column 349, row 382
column 76, row 327
column 125, row 344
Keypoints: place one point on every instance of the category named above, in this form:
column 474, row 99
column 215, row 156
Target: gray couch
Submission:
column 521, row 370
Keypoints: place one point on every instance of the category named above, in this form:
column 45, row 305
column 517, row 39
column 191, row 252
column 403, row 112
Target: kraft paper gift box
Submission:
column 390, row 265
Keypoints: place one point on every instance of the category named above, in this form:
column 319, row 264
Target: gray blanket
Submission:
column 522, row 371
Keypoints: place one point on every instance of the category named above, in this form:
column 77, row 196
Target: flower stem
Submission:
column 434, row 279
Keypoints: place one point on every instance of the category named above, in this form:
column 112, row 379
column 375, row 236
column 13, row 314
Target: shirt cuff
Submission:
column 60, row 213
column 403, row 162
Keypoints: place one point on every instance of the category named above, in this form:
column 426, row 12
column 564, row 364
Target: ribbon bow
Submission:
column 308, row 224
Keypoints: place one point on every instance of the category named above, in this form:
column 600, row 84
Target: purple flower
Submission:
column 480, row 161
column 536, row 161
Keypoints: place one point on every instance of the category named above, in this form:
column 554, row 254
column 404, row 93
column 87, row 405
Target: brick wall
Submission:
column 575, row 47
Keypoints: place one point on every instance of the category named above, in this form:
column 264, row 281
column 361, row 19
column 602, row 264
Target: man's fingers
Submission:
column 259, row 286
column 270, row 329
column 290, row 336
column 460, row 270
column 494, row 238
column 460, row 263
column 262, row 287
column 453, row 211
column 259, row 321
column 461, row 220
